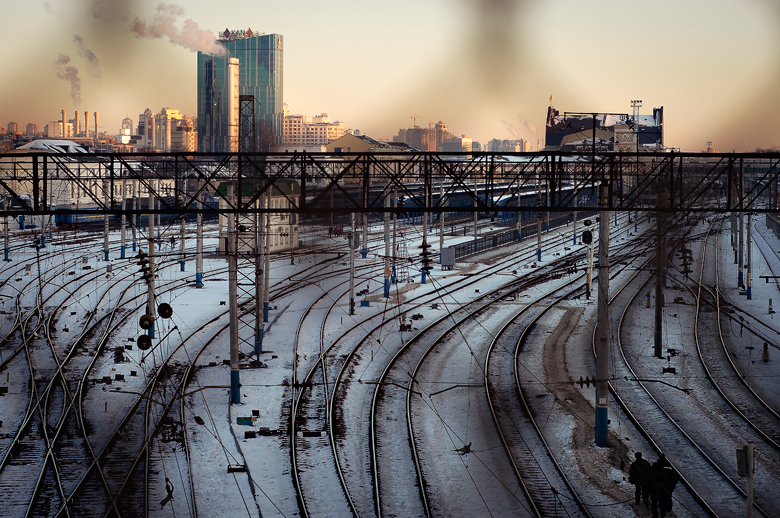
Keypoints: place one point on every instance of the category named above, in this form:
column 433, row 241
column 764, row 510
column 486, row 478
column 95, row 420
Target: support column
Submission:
column 603, row 329
column 476, row 214
column 106, row 200
column 741, row 217
column 259, row 282
column 6, row 235
column 748, row 280
column 660, row 266
column 539, row 218
column 135, row 195
column 232, row 259
column 267, row 257
column 123, row 230
column 151, row 308
column 199, row 247
column 575, row 202
column 387, row 248
column 352, row 264
column 395, row 231
column 441, row 217
column 181, row 241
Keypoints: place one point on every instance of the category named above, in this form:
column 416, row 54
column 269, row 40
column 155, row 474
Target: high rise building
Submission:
column 260, row 75
column 298, row 131
column 32, row 129
column 14, row 128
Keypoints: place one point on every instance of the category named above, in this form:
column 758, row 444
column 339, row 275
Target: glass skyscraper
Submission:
column 260, row 75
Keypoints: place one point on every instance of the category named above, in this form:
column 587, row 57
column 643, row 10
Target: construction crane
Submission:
column 414, row 120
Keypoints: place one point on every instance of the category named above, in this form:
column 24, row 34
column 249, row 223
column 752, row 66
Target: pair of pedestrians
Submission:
column 654, row 484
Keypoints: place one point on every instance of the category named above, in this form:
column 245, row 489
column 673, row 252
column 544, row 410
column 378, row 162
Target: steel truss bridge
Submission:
column 364, row 182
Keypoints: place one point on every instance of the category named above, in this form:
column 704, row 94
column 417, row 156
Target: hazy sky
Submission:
column 484, row 67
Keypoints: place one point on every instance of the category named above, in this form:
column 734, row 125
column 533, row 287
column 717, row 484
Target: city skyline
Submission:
column 485, row 67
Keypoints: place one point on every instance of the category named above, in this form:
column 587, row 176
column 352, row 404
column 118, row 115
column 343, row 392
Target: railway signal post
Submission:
column 6, row 237
column 602, row 337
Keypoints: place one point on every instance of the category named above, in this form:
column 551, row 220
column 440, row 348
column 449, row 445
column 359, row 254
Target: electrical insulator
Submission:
column 144, row 342
column 146, row 322
column 165, row 310
column 143, row 262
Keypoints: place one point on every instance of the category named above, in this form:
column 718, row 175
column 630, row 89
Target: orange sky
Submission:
column 712, row 64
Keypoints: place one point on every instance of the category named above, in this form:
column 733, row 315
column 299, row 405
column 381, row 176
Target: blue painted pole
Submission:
column 235, row 387
column 151, row 330
column 602, row 434
column 6, row 255
column 423, row 277
column 265, row 311
column 122, row 252
column 198, row 279
column 539, row 254
column 134, row 246
column 392, row 277
column 43, row 240
column 387, row 288
column 181, row 264
column 105, row 255
column 364, row 253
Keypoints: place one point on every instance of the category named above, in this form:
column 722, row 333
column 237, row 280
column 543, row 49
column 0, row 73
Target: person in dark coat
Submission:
column 639, row 475
column 663, row 479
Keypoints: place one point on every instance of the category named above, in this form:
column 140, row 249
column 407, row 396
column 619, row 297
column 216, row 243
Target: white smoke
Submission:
column 531, row 128
column 510, row 127
column 190, row 36
column 71, row 74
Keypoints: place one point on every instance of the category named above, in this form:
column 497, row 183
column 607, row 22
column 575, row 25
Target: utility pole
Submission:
column 106, row 201
column 6, row 236
column 267, row 258
column 199, row 246
column 519, row 215
column 441, row 217
column 575, row 202
column 748, row 280
column 387, row 248
column 660, row 266
column 602, row 331
column 426, row 197
column 136, row 205
column 183, row 222
column 259, row 282
column 395, row 230
column 124, row 222
column 291, row 221
column 476, row 214
column 150, row 304
column 539, row 217
column 741, row 217
column 352, row 264
column 232, row 259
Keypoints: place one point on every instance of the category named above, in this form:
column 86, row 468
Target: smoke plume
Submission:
column 71, row 74
column 510, row 127
column 190, row 36
column 93, row 64
column 531, row 128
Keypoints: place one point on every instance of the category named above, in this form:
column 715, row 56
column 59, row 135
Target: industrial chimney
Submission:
column 96, row 125
column 86, row 124
column 64, row 133
column 76, row 123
